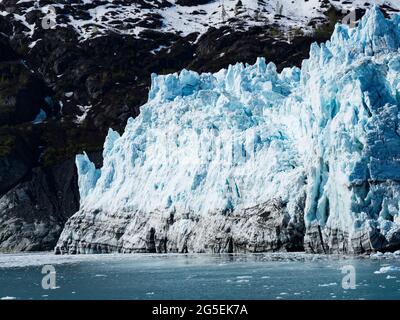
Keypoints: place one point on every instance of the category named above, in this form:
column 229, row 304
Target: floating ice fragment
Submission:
column 387, row 269
column 327, row 284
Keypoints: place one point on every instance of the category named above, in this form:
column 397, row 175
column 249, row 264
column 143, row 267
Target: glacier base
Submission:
column 266, row 227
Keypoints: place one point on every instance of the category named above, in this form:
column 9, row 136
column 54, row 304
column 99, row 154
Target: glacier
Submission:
column 249, row 160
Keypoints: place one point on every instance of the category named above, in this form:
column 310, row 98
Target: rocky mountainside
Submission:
column 73, row 69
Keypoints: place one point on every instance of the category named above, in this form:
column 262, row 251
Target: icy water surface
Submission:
column 173, row 276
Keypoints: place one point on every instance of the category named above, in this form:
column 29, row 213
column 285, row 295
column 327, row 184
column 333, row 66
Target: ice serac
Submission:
column 248, row 159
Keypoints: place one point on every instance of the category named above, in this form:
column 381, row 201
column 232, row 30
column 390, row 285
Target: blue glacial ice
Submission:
column 249, row 159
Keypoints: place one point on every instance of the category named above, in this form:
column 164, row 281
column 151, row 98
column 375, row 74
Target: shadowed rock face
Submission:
column 192, row 2
column 22, row 94
column 34, row 212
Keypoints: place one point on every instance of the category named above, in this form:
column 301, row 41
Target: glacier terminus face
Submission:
column 249, row 159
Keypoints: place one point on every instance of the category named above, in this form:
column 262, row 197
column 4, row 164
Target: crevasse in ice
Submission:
column 218, row 143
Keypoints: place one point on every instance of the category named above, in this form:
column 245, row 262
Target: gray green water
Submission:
column 253, row 276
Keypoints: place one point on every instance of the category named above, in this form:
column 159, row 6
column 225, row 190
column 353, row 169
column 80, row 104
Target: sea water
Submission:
column 198, row 276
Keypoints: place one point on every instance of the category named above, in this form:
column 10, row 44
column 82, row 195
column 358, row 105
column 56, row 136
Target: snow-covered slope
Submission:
column 251, row 159
column 94, row 18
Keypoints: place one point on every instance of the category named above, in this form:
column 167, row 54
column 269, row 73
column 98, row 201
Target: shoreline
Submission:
column 31, row 259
